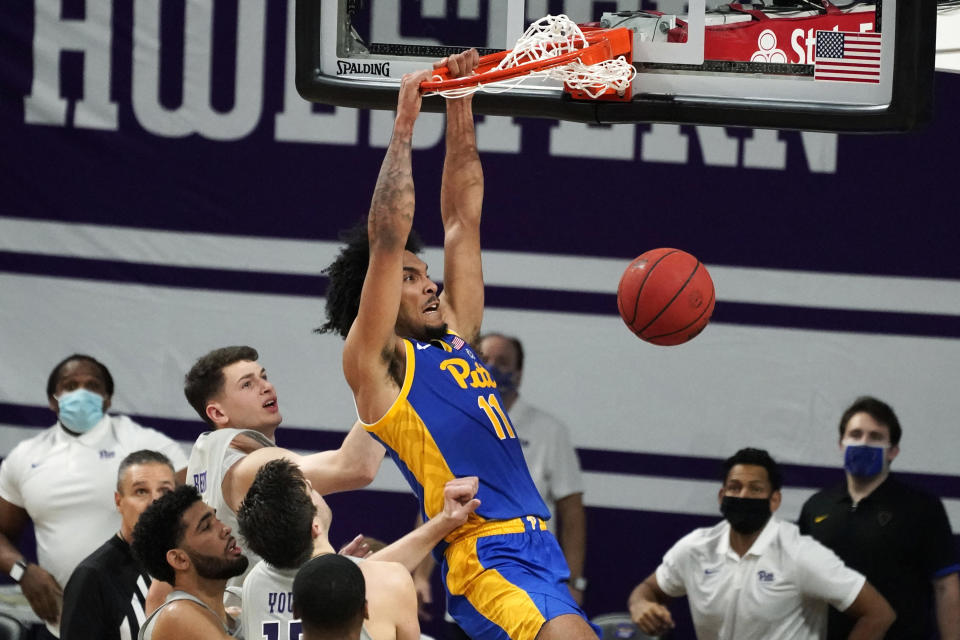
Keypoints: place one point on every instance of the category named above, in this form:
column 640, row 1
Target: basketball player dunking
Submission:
column 421, row 390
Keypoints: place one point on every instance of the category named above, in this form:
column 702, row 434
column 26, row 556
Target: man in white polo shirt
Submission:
column 753, row 576
column 63, row 479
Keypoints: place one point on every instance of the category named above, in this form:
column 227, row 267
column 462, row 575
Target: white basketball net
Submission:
column 549, row 37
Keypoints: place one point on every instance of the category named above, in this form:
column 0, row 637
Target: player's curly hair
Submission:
column 346, row 275
column 161, row 528
column 276, row 515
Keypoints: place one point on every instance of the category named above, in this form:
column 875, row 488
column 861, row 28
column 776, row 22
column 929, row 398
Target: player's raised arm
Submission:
column 461, row 201
column 372, row 340
column 458, row 503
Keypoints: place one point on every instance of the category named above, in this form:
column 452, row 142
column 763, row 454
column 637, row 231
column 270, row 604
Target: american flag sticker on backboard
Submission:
column 847, row 56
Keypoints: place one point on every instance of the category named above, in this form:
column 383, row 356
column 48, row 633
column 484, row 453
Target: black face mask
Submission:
column 745, row 515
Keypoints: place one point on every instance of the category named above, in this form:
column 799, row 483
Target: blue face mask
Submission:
column 863, row 460
column 505, row 380
column 80, row 410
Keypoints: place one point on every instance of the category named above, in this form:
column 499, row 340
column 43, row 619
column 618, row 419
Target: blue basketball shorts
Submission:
column 506, row 579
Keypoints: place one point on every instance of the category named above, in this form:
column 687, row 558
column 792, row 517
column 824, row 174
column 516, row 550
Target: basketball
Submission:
column 666, row 296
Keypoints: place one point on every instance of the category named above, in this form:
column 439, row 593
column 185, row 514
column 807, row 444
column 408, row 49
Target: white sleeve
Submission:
column 821, row 574
column 565, row 477
column 10, row 477
column 672, row 571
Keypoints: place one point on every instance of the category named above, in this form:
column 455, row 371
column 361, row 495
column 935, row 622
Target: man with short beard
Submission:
column 753, row 576
column 180, row 541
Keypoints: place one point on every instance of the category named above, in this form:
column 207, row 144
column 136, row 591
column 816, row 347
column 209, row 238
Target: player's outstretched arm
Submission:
column 646, row 604
column 461, row 202
column 352, row 466
column 458, row 504
column 371, row 342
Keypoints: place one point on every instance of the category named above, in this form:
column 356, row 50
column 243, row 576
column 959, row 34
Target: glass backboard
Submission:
column 847, row 65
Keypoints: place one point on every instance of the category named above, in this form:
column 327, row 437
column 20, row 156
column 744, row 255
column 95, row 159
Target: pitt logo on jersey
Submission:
column 478, row 377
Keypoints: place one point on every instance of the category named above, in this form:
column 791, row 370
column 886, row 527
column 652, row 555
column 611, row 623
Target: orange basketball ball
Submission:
column 666, row 296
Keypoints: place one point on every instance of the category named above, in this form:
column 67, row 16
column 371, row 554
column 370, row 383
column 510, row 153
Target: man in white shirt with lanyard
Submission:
column 63, row 479
column 753, row 576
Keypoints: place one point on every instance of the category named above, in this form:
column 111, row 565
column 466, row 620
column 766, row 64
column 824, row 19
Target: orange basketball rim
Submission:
column 601, row 45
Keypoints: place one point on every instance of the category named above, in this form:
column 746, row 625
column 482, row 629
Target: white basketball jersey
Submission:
column 268, row 603
column 146, row 631
column 210, row 459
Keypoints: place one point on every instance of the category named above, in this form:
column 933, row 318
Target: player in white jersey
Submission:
column 286, row 522
column 180, row 541
column 212, row 456
column 231, row 392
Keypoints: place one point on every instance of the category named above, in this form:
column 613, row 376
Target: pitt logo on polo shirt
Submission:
column 765, row 576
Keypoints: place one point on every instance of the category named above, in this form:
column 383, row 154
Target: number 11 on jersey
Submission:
column 499, row 420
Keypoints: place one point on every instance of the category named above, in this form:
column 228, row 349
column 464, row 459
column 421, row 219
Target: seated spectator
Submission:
column 180, row 541
column 63, row 478
column 753, row 576
column 106, row 595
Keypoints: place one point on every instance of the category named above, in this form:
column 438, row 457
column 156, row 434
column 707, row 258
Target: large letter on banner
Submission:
column 195, row 114
column 92, row 37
